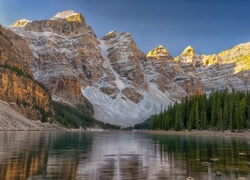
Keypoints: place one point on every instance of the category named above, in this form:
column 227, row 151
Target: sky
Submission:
column 209, row 26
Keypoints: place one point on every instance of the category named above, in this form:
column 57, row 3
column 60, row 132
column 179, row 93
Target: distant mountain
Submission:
column 111, row 78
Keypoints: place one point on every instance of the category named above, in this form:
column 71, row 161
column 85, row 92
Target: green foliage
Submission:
column 18, row 71
column 219, row 111
column 71, row 117
column 146, row 125
column 44, row 115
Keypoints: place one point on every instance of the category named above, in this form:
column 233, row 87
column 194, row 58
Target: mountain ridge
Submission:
column 116, row 81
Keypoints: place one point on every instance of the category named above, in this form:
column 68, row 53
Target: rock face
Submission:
column 16, row 81
column 189, row 56
column 21, row 23
column 61, row 47
column 160, row 53
column 111, row 77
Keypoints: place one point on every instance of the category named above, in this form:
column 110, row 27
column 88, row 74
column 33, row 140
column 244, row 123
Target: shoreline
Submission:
column 245, row 134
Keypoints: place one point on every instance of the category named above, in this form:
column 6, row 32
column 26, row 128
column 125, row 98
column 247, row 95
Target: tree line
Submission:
column 220, row 111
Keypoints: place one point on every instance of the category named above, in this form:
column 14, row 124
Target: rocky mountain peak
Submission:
column 189, row 56
column 111, row 35
column 67, row 23
column 70, row 16
column 21, row 23
column 238, row 55
column 160, row 53
column 188, row 51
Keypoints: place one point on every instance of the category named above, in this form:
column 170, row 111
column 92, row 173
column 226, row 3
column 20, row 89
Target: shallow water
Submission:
column 121, row 155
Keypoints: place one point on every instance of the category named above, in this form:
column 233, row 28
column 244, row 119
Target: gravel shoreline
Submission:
column 10, row 120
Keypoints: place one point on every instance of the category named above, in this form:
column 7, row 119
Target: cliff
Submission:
column 17, row 85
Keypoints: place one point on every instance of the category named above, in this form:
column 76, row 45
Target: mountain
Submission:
column 110, row 77
column 160, row 53
column 22, row 98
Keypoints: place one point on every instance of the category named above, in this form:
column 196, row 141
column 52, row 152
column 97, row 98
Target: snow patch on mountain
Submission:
column 121, row 111
column 64, row 14
column 120, row 84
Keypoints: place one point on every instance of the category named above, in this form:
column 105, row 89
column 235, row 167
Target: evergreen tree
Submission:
column 190, row 123
column 203, row 120
column 248, row 118
column 177, row 117
column 213, row 111
column 220, row 111
column 225, row 114
column 197, row 119
column 220, row 121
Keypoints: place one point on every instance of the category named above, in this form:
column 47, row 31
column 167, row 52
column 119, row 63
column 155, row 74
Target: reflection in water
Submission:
column 41, row 155
column 120, row 155
column 206, row 157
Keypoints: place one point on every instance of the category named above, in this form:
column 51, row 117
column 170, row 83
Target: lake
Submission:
column 121, row 155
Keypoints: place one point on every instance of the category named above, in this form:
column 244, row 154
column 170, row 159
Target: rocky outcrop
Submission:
column 14, row 54
column 21, row 23
column 132, row 95
column 218, row 71
column 125, row 57
column 189, row 56
column 66, row 23
column 160, row 53
column 20, row 88
column 70, row 16
column 16, row 80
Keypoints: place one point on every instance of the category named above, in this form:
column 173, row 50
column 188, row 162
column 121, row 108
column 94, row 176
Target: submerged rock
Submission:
column 206, row 163
column 190, row 178
column 218, row 174
column 215, row 159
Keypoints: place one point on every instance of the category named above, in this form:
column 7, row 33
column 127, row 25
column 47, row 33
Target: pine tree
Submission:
column 155, row 122
column 220, row 120
column 243, row 117
column 225, row 114
column 203, row 120
column 197, row 119
column 177, row 116
column 237, row 113
column 248, row 118
column 190, row 123
column 213, row 111
column 231, row 111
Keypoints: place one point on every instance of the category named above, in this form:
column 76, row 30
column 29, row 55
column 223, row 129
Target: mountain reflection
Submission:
column 41, row 155
column 120, row 155
column 126, row 155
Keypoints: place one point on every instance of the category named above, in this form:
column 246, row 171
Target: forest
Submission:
column 221, row 110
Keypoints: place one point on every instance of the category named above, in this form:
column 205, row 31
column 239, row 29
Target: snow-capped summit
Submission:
column 65, row 14
column 69, row 15
column 20, row 23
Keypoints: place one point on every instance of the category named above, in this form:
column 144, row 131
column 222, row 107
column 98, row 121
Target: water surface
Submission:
column 121, row 155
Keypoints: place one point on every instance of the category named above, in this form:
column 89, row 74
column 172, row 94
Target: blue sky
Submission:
column 210, row 26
